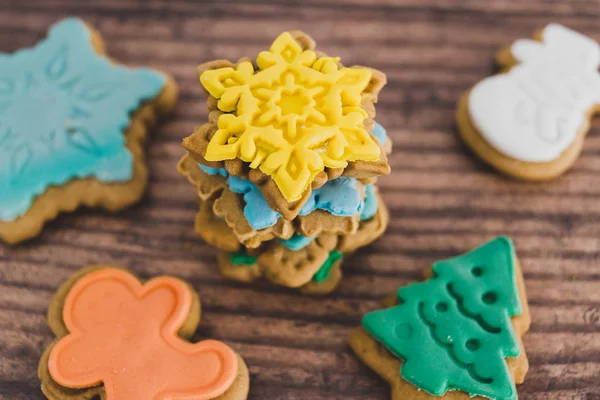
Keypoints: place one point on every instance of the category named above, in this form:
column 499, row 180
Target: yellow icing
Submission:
column 292, row 117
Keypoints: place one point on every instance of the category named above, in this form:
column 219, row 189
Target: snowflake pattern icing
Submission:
column 63, row 111
column 292, row 117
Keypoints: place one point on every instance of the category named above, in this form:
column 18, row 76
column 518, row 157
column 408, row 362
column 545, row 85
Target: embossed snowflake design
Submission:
column 63, row 111
column 292, row 117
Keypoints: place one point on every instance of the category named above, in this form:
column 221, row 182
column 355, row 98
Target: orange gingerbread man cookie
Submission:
column 121, row 339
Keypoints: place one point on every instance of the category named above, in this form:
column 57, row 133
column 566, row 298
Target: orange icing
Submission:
column 124, row 335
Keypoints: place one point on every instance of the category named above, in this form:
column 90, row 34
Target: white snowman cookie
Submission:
column 530, row 120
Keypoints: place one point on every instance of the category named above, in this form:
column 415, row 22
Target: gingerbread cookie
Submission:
column 456, row 335
column 300, row 261
column 208, row 181
column 240, row 266
column 530, row 120
column 371, row 223
column 286, row 165
column 72, row 123
column 214, row 230
column 290, row 124
column 329, row 275
column 380, row 134
column 294, row 268
column 334, row 208
column 325, row 277
column 120, row 339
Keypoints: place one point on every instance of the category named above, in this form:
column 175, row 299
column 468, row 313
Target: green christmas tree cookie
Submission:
column 454, row 331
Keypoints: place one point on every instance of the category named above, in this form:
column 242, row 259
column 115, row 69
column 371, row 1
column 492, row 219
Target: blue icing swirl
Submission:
column 339, row 197
column 214, row 171
column 296, row 242
column 370, row 207
column 257, row 211
column 63, row 112
column 380, row 133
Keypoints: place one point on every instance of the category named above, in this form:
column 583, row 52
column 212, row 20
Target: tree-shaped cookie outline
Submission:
column 454, row 332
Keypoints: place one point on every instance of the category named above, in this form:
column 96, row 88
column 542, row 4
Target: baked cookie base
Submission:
column 543, row 171
column 328, row 285
column 529, row 171
column 368, row 230
column 254, row 272
column 285, row 267
column 91, row 192
column 197, row 143
column 377, row 357
column 53, row 391
column 229, row 207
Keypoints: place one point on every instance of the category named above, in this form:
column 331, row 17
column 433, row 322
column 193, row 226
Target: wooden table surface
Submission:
column 443, row 200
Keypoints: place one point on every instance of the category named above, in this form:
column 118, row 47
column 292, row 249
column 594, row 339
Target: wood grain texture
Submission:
column 443, row 201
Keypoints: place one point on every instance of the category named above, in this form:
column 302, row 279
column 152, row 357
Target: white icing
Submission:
column 533, row 112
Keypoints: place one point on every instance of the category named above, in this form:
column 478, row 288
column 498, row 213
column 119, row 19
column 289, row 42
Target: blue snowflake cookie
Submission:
column 64, row 112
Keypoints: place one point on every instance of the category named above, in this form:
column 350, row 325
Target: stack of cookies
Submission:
column 286, row 165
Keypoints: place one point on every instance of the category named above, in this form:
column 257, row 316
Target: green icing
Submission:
column 242, row 258
column 454, row 331
column 323, row 272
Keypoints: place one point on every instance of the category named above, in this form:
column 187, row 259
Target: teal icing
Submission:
column 380, row 133
column 297, row 242
column 63, row 111
column 370, row 207
column 256, row 210
column 214, row 171
column 339, row 197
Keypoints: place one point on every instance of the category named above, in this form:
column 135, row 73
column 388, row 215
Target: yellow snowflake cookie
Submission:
column 292, row 117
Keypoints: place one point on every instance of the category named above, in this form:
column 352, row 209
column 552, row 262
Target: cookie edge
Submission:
column 522, row 170
column 91, row 192
column 388, row 366
column 54, row 391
